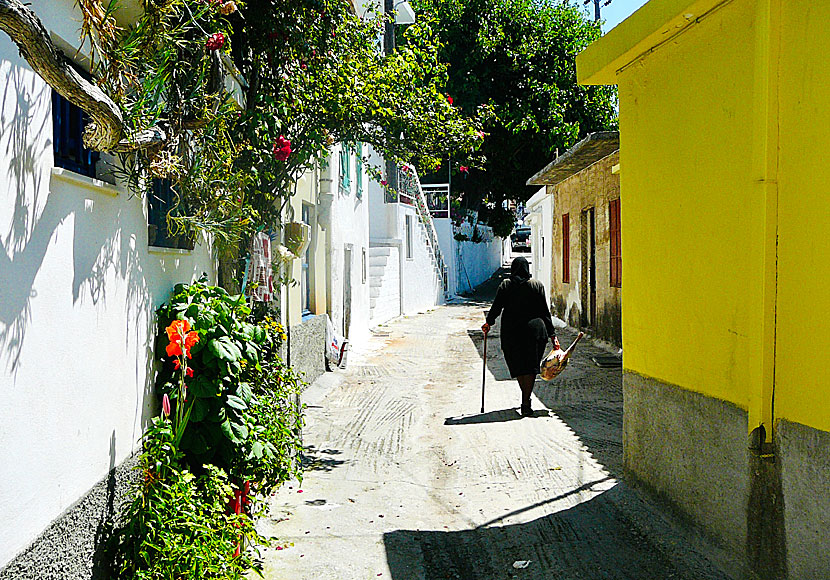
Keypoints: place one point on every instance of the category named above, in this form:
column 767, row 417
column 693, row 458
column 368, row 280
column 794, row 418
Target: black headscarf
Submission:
column 520, row 270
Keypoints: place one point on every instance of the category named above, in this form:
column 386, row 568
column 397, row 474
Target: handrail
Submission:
column 411, row 192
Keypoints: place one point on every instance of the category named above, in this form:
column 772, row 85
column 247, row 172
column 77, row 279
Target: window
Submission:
column 363, row 266
column 409, row 237
column 345, row 167
column 305, row 277
column 566, row 249
column 358, row 170
column 614, row 236
column 68, row 122
column 162, row 200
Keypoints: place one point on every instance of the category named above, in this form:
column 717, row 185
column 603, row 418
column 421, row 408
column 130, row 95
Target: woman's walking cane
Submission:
column 483, row 372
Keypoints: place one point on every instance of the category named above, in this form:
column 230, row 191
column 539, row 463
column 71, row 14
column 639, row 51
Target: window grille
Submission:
column 68, row 122
column 161, row 201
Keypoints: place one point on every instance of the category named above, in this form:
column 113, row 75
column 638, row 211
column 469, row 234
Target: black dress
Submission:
column 526, row 324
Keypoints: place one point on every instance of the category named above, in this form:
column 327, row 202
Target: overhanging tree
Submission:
column 517, row 58
column 312, row 75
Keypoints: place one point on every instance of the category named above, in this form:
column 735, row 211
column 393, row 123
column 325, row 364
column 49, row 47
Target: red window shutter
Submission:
column 614, row 238
column 566, row 248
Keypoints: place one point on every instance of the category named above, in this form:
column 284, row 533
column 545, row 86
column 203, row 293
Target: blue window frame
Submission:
column 161, row 200
column 68, row 122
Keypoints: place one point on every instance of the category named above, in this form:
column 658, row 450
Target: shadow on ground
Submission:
column 582, row 543
column 586, row 397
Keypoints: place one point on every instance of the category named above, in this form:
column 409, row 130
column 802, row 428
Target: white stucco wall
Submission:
column 469, row 263
column 540, row 218
column 78, row 290
column 422, row 287
column 350, row 229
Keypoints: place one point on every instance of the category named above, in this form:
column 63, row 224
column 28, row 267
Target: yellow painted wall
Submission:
column 692, row 224
column 802, row 385
column 307, row 193
column 726, row 199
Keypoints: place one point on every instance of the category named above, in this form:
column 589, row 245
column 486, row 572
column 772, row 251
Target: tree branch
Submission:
column 106, row 131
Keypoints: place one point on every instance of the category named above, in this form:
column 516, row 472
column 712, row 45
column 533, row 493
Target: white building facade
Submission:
column 540, row 219
column 81, row 274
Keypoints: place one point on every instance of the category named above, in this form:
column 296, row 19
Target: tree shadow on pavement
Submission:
column 314, row 459
column 595, row 539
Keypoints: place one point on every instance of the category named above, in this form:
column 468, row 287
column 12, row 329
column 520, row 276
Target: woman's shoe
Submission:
column 526, row 411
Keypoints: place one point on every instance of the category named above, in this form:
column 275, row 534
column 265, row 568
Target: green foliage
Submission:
column 236, row 375
column 177, row 525
column 313, row 75
column 517, row 58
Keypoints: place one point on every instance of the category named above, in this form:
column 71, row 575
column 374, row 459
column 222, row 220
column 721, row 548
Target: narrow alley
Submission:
column 407, row 480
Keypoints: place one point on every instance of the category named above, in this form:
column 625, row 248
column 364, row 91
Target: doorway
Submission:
column 589, row 267
column 347, row 289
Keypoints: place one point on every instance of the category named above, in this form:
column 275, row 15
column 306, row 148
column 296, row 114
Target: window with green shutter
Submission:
column 345, row 167
column 358, row 169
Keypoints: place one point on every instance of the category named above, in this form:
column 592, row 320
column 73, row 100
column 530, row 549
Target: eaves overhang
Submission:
column 656, row 23
column 591, row 149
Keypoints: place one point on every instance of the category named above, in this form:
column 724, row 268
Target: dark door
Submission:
column 347, row 289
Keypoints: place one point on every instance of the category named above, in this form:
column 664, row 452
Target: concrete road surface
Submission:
column 408, row 480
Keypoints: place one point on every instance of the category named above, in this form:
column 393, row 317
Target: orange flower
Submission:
column 181, row 341
column 177, row 330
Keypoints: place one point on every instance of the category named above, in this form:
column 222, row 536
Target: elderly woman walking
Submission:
column 526, row 326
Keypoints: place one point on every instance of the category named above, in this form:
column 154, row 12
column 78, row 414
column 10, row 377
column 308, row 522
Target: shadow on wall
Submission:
column 100, row 247
column 594, row 539
column 609, row 323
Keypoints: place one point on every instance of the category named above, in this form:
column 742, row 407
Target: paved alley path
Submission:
column 409, row 481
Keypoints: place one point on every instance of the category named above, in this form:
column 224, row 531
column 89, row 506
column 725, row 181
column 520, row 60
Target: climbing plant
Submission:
column 310, row 72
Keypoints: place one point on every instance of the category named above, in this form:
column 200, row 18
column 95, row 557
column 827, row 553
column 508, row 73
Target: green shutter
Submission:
column 345, row 167
column 358, row 177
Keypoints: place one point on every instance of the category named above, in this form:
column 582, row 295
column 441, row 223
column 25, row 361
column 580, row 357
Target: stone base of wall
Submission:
column 805, row 481
column 690, row 450
column 308, row 342
column 72, row 547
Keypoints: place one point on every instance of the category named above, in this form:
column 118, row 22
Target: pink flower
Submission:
column 464, row 169
column 481, row 134
column 215, row 41
column 282, row 148
column 437, row 167
column 165, row 405
column 299, row 491
column 383, row 183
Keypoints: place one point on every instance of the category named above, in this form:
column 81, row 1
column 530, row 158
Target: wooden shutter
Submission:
column 615, row 246
column 566, row 248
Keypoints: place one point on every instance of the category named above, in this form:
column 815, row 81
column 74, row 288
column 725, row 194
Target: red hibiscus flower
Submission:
column 282, row 148
column 449, row 99
column 464, row 169
column 189, row 372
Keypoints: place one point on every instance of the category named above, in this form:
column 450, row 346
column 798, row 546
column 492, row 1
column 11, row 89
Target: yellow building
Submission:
column 726, row 198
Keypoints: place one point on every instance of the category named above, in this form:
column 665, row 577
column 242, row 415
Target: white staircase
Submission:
column 384, row 283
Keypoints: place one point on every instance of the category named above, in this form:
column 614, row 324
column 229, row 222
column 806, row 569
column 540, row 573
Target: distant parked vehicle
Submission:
column 520, row 239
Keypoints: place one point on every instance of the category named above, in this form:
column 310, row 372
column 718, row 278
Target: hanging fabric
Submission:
column 262, row 275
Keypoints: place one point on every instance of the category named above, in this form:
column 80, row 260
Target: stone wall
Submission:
column 73, row 545
column 592, row 187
